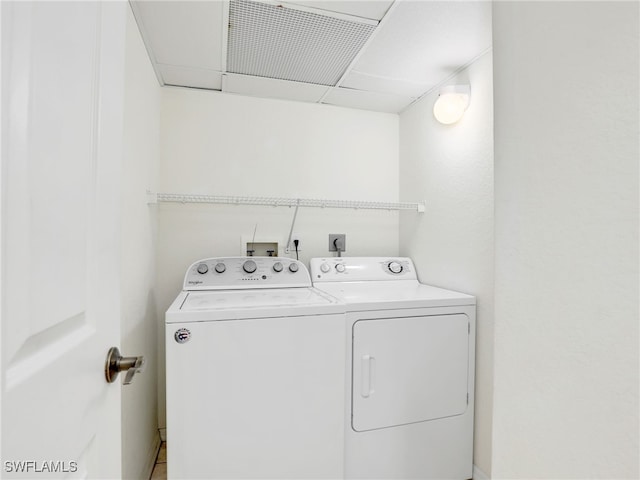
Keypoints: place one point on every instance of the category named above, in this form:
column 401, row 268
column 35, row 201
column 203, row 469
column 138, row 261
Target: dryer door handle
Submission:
column 368, row 372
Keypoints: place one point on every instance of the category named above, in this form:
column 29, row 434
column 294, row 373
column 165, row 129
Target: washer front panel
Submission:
column 261, row 398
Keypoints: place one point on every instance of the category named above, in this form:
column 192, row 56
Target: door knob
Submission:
column 116, row 363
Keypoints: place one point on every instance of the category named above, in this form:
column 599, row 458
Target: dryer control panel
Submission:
column 359, row 269
column 232, row 273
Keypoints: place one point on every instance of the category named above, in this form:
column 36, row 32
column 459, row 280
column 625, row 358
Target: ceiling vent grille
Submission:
column 277, row 42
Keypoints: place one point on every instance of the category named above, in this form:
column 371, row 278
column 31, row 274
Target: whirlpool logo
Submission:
column 182, row 335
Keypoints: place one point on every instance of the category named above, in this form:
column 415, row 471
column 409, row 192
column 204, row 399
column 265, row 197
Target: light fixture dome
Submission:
column 451, row 103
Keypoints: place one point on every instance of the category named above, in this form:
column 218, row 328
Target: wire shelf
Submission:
column 283, row 202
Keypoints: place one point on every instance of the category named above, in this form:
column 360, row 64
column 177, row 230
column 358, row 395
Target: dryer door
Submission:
column 409, row 369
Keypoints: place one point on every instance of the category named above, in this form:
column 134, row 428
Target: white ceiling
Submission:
column 377, row 55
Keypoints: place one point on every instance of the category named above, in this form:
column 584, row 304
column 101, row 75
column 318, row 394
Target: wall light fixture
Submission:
column 451, row 103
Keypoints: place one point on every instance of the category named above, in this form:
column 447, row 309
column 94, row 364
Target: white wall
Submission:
column 451, row 168
column 139, row 319
column 221, row 144
column 566, row 194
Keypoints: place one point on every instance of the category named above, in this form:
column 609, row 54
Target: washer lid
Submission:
column 392, row 295
column 259, row 303
column 234, row 299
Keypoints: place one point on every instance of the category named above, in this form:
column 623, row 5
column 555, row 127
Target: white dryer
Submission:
column 255, row 373
column 410, row 380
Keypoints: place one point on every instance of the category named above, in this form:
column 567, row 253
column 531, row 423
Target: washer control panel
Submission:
column 358, row 269
column 246, row 272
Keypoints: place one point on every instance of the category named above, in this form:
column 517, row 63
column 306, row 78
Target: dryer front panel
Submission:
column 409, row 369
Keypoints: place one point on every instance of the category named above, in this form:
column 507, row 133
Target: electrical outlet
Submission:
column 337, row 242
column 295, row 237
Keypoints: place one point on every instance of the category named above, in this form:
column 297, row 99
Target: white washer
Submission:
column 410, row 359
column 255, row 373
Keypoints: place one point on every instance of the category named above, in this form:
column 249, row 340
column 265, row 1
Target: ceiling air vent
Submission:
column 272, row 41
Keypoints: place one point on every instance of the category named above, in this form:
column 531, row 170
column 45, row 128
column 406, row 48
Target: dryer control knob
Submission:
column 202, row 268
column 394, row 267
column 340, row 267
column 220, row 267
column 325, row 268
column 249, row 266
column 293, row 267
column 277, row 267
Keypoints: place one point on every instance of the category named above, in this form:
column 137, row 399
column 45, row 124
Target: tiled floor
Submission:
column 160, row 470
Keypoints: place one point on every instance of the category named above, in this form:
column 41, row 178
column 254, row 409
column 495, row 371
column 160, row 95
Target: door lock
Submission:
column 116, row 363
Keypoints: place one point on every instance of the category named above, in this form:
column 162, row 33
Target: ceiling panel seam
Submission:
column 384, row 19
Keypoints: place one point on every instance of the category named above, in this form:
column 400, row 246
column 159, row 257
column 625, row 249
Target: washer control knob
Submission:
column 220, row 267
column 324, row 268
column 293, row 267
column 249, row 266
column 277, row 267
column 394, row 267
column 340, row 267
column 202, row 268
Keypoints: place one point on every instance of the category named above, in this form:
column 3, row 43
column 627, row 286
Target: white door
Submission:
column 409, row 369
column 62, row 75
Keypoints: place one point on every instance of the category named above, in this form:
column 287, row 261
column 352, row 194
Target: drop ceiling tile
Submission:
column 191, row 77
column 271, row 88
column 373, row 83
column 372, row 9
column 426, row 41
column 183, row 33
column 379, row 102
